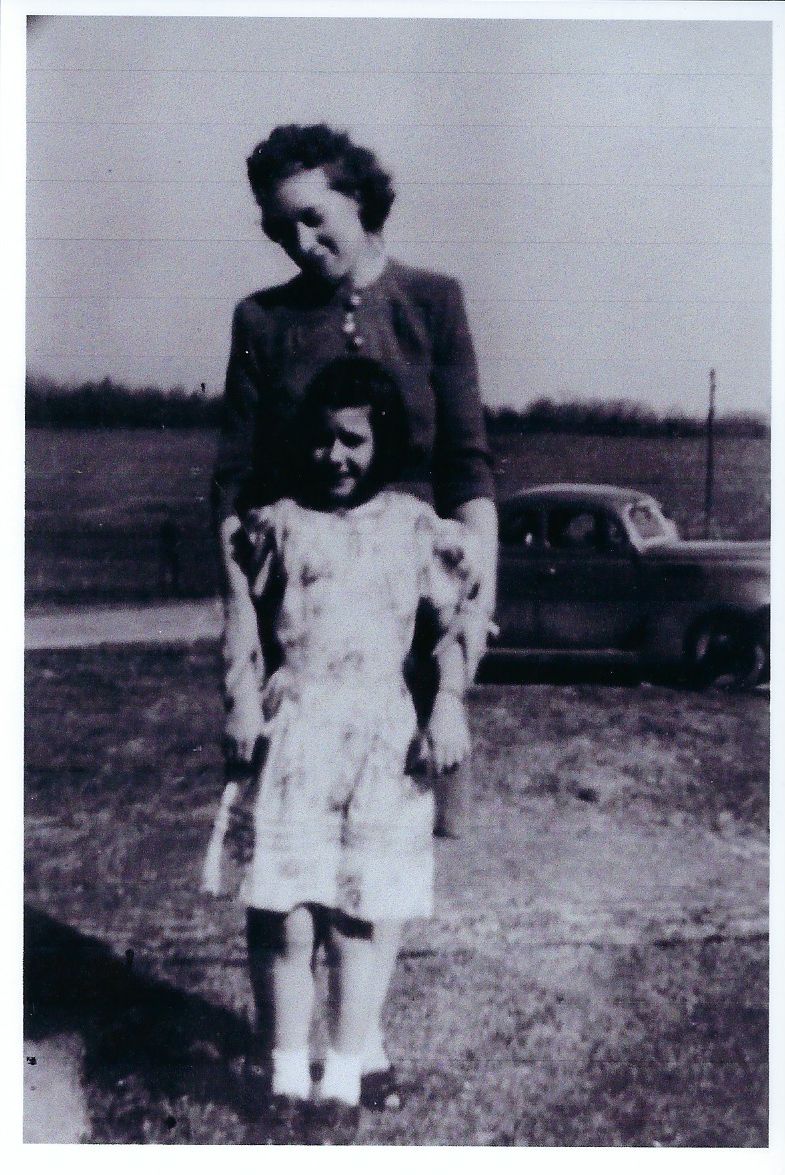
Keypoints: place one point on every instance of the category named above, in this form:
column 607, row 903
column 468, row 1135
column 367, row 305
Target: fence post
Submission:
column 708, row 501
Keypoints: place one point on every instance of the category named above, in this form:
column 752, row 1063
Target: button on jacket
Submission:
column 410, row 320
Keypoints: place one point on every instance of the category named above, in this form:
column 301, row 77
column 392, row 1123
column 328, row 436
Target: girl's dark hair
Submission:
column 353, row 170
column 356, row 382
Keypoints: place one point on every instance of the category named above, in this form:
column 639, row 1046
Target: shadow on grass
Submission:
column 510, row 667
column 504, row 668
column 133, row 1027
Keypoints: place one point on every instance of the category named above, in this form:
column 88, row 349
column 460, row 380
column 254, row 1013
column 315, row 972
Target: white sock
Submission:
column 341, row 1078
column 291, row 1072
column 375, row 1059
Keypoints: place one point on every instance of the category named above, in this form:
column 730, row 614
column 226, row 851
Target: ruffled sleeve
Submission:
column 256, row 546
column 450, row 560
column 261, row 544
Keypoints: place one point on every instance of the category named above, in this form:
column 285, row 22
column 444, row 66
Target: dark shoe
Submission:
column 254, row 1087
column 380, row 1090
column 257, row 1075
column 282, row 1121
column 332, row 1123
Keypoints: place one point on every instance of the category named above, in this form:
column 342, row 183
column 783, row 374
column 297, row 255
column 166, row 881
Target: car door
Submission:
column 590, row 591
column 520, row 570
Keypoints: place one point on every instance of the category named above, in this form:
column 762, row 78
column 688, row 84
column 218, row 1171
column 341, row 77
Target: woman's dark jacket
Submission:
column 412, row 321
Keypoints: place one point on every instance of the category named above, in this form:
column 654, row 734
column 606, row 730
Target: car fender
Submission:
column 761, row 624
column 668, row 629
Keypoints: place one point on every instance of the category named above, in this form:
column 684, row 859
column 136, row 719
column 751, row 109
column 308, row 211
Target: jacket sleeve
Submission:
column 461, row 460
column 238, row 421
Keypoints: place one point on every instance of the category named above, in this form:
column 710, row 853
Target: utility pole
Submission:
column 709, row 455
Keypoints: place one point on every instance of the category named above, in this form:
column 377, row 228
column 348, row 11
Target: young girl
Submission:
column 341, row 819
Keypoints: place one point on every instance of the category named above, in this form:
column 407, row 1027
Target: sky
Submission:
column 602, row 189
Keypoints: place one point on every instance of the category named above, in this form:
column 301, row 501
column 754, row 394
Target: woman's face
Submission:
column 341, row 453
column 316, row 226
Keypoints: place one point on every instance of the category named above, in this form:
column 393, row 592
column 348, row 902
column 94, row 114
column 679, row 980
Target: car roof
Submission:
column 584, row 493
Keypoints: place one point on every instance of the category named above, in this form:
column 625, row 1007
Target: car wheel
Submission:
column 726, row 651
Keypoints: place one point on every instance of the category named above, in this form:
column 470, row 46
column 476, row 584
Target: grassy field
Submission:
column 595, row 974
column 96, row 500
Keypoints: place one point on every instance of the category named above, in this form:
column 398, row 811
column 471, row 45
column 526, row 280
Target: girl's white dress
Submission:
column 338, row 820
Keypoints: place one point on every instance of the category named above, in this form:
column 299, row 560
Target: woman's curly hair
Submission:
column 354, row 171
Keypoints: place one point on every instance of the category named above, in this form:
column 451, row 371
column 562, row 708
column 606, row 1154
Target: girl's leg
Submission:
column 263, row 937
column 388, row 938
column 280, row 950
column 363, row 957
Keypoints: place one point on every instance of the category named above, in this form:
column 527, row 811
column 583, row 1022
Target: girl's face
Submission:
column 341, row 454
column 316, row 226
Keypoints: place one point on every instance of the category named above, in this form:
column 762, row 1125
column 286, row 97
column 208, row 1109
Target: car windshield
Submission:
column 648, row 522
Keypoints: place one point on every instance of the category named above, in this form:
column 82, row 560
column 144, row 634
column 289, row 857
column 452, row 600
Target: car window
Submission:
column 519, row 528
column 615, row 534
column 573, row 528
column 646, row 522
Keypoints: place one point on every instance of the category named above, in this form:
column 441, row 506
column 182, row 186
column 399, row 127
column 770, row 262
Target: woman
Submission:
column 325, row 200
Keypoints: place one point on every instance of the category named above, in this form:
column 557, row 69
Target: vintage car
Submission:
column 601, row 570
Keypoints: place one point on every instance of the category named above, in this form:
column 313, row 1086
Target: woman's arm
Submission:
column 463, row 479
column 464, row 491
column 451, row 586
column 462, row 463
column 242, row 658
column 462, row 468
column 448, row 730
column 248, row 556
column 243, row 666
column 461, row 650
column 234, row 459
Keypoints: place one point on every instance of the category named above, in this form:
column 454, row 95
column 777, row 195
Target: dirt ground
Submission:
column 595, row 973
column 182, row 622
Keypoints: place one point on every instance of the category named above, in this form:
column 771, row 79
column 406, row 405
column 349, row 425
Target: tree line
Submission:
column 617, row 418
column 109, row 404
